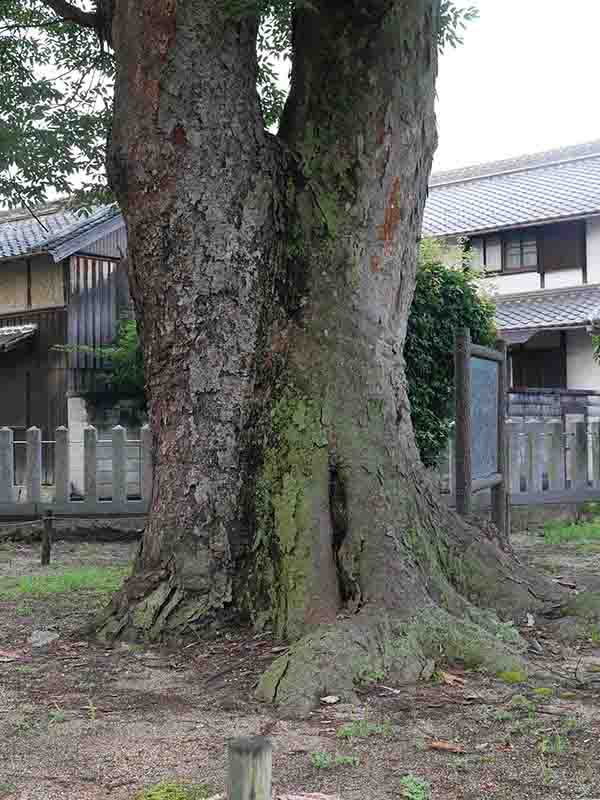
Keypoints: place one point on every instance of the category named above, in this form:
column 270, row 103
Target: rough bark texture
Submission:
column 272, row 278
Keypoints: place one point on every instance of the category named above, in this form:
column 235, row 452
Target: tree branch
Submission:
column 71, row 13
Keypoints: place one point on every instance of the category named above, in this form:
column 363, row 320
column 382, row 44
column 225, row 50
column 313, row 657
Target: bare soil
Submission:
column 82, row 721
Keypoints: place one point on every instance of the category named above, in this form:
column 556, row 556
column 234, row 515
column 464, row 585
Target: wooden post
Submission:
column 250, row 769
column 500, row 492
column 47, row 538
column 462, row 459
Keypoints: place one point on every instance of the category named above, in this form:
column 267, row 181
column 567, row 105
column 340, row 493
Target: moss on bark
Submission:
column 286, row 496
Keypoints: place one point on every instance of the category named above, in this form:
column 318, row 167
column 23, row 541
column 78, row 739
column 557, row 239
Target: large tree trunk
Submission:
column 273, row 278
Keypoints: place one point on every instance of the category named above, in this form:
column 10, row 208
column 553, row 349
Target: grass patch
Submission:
column 97, row 579
column 362, row 729
column 560, row 532
column 167, row 790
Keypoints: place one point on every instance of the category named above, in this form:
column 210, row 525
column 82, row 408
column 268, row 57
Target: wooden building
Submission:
column 62, row 282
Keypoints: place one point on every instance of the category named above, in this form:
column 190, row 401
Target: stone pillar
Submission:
column 119, row 466
column 77, row 420
column 90, row 440
column 33, row 465
column 7, row 466
column 146, row 446
column 61, row 465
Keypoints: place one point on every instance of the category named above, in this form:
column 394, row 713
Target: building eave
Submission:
column 469, row 233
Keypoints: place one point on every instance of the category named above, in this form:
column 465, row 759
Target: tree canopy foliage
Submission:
column 56, row 86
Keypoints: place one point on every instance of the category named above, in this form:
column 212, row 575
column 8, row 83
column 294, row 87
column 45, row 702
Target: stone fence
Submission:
column 117, row 474
column 551, row 460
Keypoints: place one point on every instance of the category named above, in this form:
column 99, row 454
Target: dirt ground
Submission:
column 80, row 721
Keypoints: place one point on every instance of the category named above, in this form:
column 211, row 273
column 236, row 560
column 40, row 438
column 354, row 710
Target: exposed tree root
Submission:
column 376, row 646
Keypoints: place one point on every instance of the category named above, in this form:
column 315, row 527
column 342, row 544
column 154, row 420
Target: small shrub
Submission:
column 412, row 788
column 504, row 716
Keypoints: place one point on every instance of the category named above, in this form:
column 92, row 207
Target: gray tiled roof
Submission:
column 546, row 186
column 22, row 234
column 553, row 308
column 10, row 336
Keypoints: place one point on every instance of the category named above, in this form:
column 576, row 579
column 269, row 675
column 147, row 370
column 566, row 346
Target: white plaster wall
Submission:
column 512, row 284
column 46, row 283
column 582, row 371
column 592, row 246
column 13, row 286
column 563, row 278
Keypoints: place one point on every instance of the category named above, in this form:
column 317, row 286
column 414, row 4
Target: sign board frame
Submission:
column 466, row 484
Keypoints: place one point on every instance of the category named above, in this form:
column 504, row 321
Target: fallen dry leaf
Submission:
column 447, row 747
column 9, row 655
column 389, row 689
column 452, row 680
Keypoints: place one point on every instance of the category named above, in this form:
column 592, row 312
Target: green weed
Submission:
column 362, row 729
column 56, row 715
column 321, row 760
column 553, row 744
column 413, row 788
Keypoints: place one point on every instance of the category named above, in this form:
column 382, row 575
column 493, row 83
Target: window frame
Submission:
column 505, row 237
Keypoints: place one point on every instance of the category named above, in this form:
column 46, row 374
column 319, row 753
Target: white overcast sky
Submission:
column 525, row 79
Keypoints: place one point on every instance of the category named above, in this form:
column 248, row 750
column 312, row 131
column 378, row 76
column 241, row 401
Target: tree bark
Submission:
column 272, row 278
